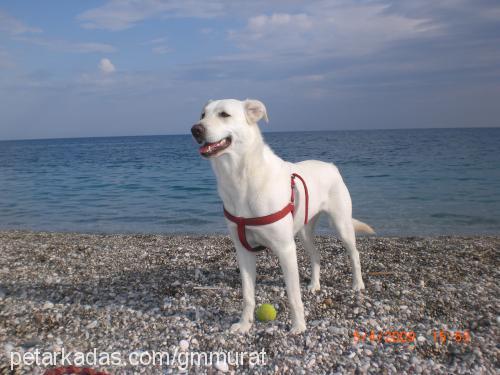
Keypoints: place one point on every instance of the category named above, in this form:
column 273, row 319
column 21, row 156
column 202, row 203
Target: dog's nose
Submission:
column 198, row 132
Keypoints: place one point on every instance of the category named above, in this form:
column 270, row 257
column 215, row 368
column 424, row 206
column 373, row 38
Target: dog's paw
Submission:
column 241, row 327
column 298, row 328
column 358, row 286
column 313, row 287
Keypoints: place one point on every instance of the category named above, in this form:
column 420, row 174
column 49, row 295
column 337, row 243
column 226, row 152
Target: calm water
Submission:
column 403, row 182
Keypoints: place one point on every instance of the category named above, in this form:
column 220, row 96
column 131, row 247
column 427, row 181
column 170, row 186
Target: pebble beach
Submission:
column 431, row 305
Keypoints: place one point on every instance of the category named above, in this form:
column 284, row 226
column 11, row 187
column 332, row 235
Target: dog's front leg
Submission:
column 287, row 256
column 246, row 261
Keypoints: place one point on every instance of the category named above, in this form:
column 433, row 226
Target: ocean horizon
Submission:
column 263, row 131
column 403, row 182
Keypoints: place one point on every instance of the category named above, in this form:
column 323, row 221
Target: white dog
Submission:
column 255, row 183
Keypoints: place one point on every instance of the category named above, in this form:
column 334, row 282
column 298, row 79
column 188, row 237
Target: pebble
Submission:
column 183, row 345
column 328, row 302
column 47, row 306
column 8, row 347
column 222, row 366
column 92, row 325
column 311, row 363
column 140, row 291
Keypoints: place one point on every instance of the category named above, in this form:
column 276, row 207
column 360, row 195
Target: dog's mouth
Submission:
column 212, row 149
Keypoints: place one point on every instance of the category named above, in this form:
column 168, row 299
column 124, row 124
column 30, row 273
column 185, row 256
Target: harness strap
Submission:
column 306, row 193
column 242, row 222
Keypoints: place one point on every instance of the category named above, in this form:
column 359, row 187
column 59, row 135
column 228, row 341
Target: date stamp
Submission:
column 387, row 337
column 438, row 336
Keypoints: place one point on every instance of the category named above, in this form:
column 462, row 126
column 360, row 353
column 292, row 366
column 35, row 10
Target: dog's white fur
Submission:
column 253, row 181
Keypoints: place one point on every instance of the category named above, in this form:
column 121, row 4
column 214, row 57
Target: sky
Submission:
column 126, row 67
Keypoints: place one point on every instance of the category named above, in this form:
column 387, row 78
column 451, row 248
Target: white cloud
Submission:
column 68, row 46
column 13, row 26
column 160, row 50
column 308, row 78
column 160, row 46
column 300, row 21
column 89, row 47
column 159, row 40
column 491, row 13
column 123, row 14
column 5, row 59
column 332, row 27
column 106, row 66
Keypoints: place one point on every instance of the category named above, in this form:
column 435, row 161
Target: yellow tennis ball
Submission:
column 266, row 312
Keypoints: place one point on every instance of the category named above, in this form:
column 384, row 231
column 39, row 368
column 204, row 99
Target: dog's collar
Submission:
column 242, row 222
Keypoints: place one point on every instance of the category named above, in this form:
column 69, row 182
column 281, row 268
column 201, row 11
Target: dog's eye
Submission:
column 202, row 116
column 224, row 114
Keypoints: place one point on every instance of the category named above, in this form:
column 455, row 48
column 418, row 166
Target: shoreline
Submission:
column 127, row 292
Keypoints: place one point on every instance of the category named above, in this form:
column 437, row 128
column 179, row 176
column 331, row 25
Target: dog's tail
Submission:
column 361, row 227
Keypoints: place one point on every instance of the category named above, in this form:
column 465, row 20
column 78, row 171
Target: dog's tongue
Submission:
column 209, row 148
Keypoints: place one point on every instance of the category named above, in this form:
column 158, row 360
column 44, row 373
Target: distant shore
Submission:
column 180, row 293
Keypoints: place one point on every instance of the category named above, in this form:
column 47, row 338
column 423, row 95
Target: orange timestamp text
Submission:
column 402, row 337
column 389, row 337
column 444, row 336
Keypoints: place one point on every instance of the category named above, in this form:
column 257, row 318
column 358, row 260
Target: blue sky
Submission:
column 101, row 68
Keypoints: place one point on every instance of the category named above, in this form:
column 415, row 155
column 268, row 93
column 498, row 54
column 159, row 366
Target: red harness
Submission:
column 242, row 222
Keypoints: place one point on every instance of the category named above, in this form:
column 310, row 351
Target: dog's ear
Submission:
column 255, row 110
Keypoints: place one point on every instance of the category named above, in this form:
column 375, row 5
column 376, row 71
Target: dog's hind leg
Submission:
column 340, row 214
column 345, row 230
column 306, row 236
column 247, row 265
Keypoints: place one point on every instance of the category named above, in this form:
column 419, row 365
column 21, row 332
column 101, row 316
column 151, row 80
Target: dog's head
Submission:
column 227, row 124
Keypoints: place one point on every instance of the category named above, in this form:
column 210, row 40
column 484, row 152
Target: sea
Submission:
column 402, row 182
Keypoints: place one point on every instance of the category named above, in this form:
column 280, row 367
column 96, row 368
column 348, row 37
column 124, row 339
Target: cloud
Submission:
column 492, row 13
column 123, row 14
column 160, row 40
column 331, row 49
column 263, row 22
column 406, row 63
column 332, row 27
column 5, row 59
column 13, row 26
column 106, row 66
column 68, row 46
column 160, row 50
column 160, row 46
